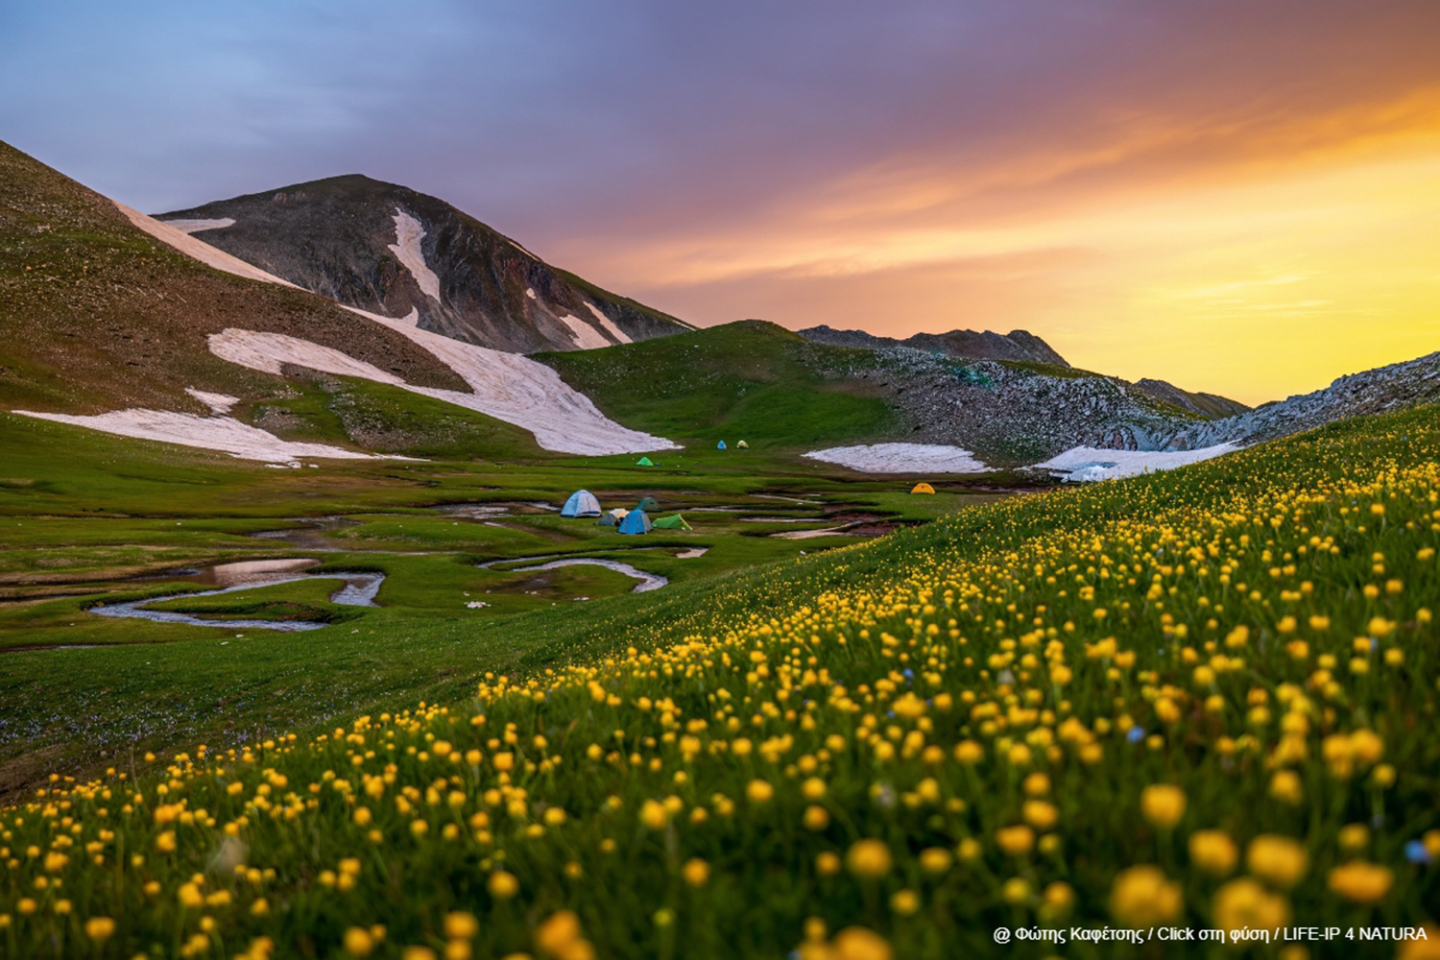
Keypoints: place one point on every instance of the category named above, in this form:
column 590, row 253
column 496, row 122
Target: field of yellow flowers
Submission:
column 1202, row 699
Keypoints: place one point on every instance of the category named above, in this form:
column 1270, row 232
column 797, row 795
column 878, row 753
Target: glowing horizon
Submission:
column 1316, row 262
column 1235, row 197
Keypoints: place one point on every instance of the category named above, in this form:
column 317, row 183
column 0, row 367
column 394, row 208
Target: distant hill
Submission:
column 391, row 250
column 758, row 382
column 1017, row 345
column 1208, row 405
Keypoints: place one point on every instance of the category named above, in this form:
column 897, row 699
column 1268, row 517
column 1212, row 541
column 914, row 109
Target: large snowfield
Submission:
column 1077, row 464
column 901, row 458
column 198, row 249
column 1094, row 463
column 505, row 386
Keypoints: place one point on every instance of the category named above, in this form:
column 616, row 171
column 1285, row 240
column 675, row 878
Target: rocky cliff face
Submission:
column 390, row 250
column 1017, row 345
column 1395, row 387
column 1012, row 413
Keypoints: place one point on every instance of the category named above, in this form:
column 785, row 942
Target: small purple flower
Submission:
column 1136, row 734
column 1416, row 852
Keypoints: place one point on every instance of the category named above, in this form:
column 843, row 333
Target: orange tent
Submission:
column 922, row 488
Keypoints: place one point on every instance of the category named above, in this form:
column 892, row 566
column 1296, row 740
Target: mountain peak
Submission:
column 388, row 249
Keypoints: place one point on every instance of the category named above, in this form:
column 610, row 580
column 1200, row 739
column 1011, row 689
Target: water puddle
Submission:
column 497, row 508
column 357, row 590
column 782, row 519
column 32, row 647
column 648, row 581
column 812, row 534
column 692, row 554
column 312, row 536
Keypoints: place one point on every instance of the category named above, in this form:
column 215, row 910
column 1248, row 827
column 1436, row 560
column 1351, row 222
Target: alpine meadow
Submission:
column 1050, row 573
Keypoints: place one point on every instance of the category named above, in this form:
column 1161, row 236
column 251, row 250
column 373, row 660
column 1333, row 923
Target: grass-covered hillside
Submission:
column 749, row 381
column 783, row 393
column 1203, row 699
column 96, row 315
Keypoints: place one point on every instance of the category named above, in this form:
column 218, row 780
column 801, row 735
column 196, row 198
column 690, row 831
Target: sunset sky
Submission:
column 1238, row 197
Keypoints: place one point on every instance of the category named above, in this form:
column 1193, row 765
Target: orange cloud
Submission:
column 1249, row 253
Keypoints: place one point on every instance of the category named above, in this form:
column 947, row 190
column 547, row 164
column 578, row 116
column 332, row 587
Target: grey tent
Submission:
column 582, row 503
column 647, row 503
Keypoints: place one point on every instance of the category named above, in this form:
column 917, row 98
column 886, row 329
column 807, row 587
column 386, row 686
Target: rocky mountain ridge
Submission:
column 1012, row 414
column 1393, row 387
column 393, row 251
column 1017, row 345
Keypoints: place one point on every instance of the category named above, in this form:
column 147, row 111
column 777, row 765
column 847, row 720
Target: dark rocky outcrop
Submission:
column 343, row 238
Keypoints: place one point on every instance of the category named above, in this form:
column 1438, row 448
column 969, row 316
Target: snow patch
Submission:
column 222, row 434
column 195, row 226
column 608, row 324
column 408, row 234
column 530, row 292
column 586, row 336
column 217, row 402
column 901, row 458
column 269, row 352
column 199, row 249
column 505, row 386
column 1087, row 464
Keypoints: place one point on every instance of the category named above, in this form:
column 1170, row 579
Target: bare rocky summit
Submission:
column 391, row 250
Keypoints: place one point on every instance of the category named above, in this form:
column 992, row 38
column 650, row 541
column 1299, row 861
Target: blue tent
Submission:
column 636, row 521
column 582, row 503
column 720, row 445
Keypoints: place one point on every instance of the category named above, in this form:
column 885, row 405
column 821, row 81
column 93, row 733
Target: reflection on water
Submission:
column 648, row 581
column 356, row 590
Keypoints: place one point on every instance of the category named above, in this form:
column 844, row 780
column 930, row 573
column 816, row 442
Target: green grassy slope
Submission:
column 385, row 419
column 97, row 315
column 1200, row 699
column 749, row 381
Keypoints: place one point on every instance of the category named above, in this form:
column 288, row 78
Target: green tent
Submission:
column 647, row 504
column 644, row 462
column 674, row 522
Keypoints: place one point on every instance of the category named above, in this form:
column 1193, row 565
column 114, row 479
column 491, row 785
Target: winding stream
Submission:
column 648, row 581
column 358, row 590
